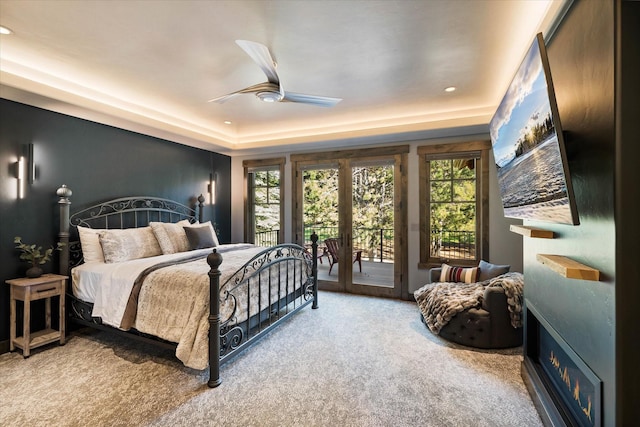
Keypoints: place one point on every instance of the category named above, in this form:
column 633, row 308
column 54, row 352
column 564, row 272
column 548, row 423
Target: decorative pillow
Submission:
column 488, row 271
column 90, row 243
column 171, row 236
column 213, row 232
column 458, row 274
column 199, row 237
column 128, row 244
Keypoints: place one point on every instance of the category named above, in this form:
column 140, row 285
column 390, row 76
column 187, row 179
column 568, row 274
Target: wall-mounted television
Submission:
column 528, row 146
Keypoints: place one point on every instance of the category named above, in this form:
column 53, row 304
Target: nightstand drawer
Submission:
column 40, row 291
column 46, row 290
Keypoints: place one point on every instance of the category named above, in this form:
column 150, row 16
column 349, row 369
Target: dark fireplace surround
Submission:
column 563, row 388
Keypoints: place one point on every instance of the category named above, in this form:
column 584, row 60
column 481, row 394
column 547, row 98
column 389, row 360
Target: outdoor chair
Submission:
column 332, row 249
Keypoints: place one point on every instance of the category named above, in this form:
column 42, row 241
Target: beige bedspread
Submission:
column 173, row 304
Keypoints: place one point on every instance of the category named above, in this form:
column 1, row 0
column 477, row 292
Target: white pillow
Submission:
column 90, row 243
column 129, row 243
column 171, row 236
column 213, row 232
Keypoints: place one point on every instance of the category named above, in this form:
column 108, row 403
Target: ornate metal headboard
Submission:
column 125, row 212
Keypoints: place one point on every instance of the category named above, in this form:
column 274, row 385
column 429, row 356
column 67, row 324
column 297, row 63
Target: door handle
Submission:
column 342, row 242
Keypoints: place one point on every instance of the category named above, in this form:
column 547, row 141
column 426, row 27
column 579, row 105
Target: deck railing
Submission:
column 268, row 238
column 377, row 243
column 453, row 244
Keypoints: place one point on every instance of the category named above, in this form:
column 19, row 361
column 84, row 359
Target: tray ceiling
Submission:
column 151, row 66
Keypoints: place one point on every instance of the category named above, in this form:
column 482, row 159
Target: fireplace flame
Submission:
column 564, row 375
column 587, row 410
column 576, row 393
column 566, row 378
column 554, row 360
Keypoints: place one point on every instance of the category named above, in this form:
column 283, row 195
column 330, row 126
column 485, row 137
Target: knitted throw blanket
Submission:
column 440, row 301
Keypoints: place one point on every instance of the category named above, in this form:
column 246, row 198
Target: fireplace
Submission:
column 563, row 388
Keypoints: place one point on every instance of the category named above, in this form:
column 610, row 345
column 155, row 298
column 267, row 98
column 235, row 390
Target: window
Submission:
column 263, row 207
column 454, row 203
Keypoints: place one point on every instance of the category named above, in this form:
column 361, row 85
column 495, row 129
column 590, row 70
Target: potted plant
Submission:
column 35, row 256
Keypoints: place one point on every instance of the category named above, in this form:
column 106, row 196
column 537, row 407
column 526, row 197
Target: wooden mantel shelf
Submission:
column 531, row 231
column 568, row 268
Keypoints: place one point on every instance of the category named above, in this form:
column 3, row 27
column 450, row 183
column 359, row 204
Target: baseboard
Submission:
column 4, row 346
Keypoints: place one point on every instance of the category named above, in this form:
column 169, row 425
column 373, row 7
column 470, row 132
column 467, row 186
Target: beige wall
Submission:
column 505, row 247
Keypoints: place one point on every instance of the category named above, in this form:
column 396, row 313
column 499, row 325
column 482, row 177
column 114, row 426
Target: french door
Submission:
column 355, row 200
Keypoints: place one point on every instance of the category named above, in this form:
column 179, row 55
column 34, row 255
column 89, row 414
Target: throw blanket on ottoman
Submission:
column 440, row 301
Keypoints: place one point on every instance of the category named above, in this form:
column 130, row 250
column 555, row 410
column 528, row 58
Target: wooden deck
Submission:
column 373, row 273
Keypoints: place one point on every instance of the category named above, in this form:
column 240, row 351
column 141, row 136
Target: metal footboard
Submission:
column 272, row 286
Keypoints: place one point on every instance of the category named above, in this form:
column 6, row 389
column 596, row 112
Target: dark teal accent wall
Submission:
column 97, row 162
column 594, row 63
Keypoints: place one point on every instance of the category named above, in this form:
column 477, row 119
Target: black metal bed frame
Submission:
column 227, row 337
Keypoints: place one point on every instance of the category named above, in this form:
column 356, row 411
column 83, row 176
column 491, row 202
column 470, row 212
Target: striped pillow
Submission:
column 458, row 274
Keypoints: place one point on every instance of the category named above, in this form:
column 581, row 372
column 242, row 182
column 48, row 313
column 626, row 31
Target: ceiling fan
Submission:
column 272, row 90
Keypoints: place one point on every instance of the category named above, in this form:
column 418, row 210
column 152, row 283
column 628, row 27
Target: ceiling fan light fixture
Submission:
column 269, row 96
column 450, row 89
column 271, row 91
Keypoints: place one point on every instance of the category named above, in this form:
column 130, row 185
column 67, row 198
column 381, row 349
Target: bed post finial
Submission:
column 214, row 259
column 201, row 208
column 314, row 271
column 63, row 194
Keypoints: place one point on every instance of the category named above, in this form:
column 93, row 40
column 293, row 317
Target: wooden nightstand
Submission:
column 27, row 290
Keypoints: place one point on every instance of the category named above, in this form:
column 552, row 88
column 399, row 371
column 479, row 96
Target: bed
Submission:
column 152, row 269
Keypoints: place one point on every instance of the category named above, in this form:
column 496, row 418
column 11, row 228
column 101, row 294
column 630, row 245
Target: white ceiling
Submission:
column 150, row 66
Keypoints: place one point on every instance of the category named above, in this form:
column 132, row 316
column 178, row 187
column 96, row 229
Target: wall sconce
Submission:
column 20, row 175
column 31, row 167
column 25, row 169
column 211, row 188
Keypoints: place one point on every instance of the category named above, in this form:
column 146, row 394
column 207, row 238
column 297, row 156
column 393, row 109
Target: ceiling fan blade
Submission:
column 224, row 98
column 321, row 101
column 261, row 56
column 260, row 87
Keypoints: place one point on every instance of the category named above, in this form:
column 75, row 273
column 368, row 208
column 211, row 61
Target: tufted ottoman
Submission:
column 488, row 326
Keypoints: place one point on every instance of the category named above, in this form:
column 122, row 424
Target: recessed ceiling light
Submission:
column 227, row 122
column 5, row 30
column 450, row 89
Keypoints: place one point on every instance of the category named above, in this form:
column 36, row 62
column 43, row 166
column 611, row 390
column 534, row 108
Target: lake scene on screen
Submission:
column 526, row 148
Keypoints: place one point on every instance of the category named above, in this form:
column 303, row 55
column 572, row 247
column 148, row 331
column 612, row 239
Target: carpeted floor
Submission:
column 356, row 361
